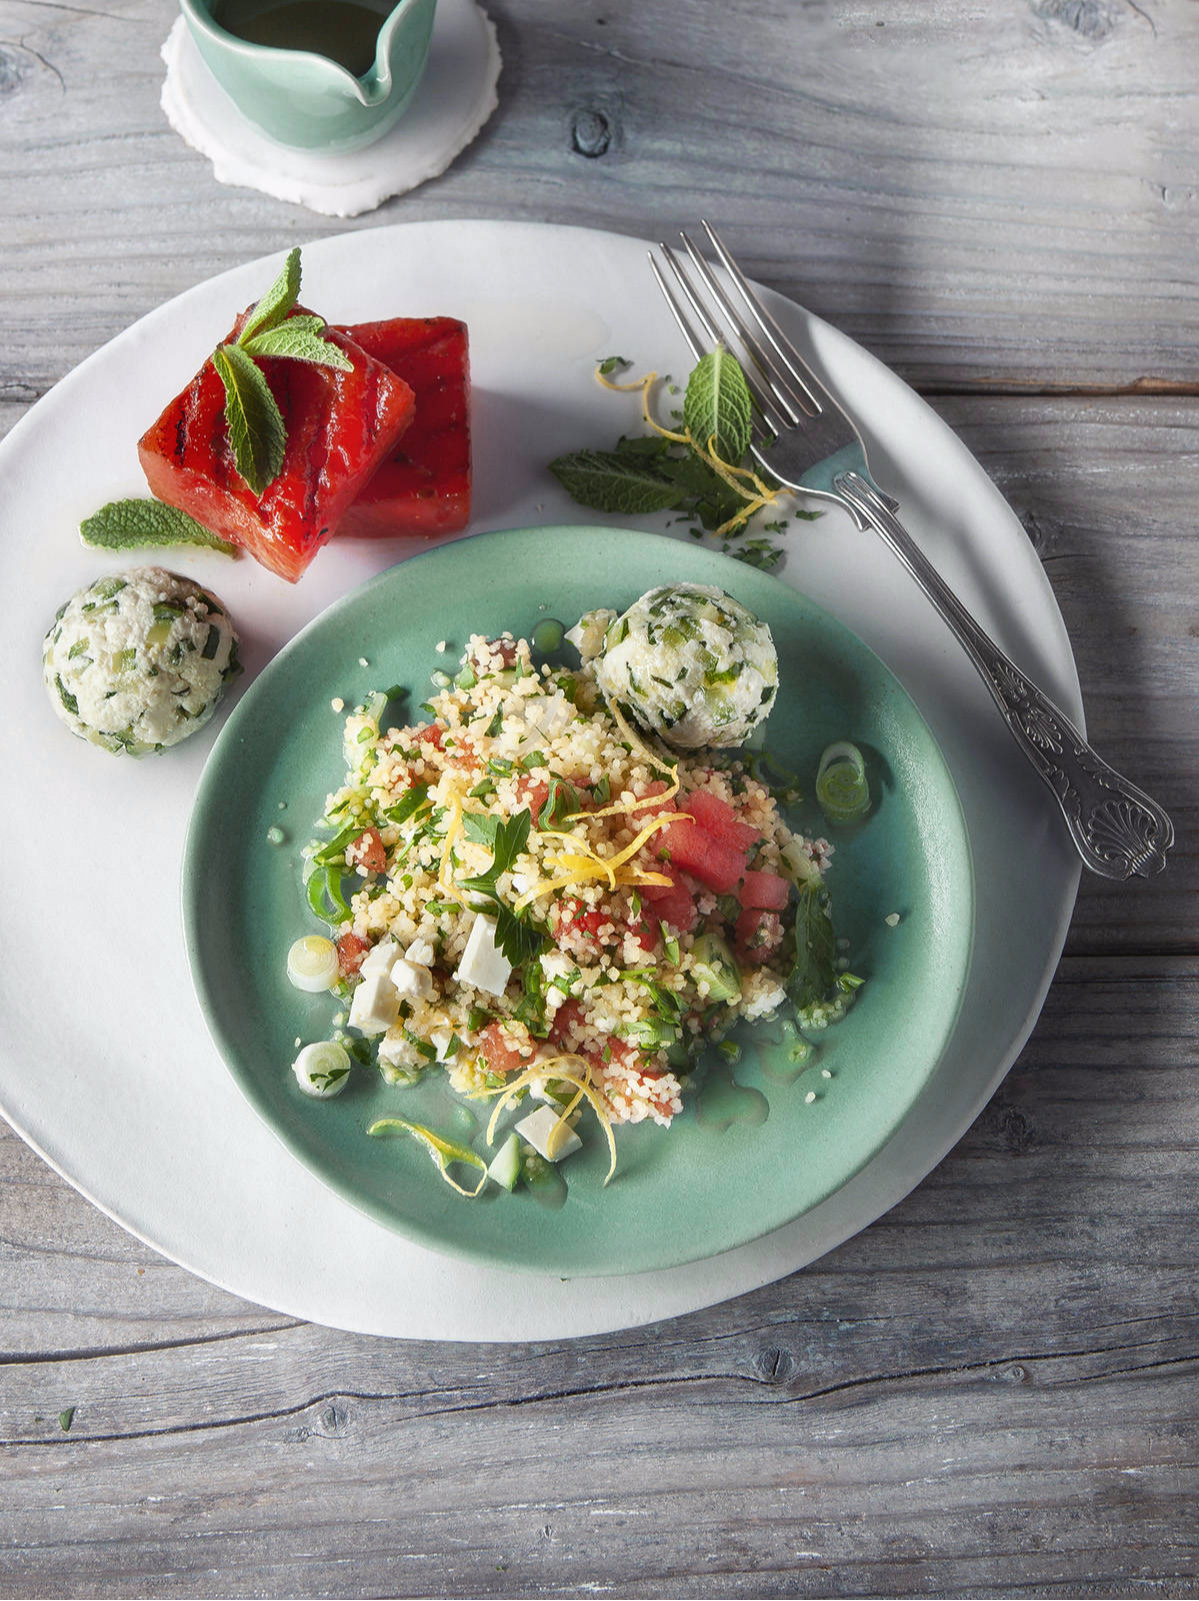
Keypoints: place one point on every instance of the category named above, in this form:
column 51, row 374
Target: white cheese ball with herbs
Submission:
column 692, row 665
column 138, row 661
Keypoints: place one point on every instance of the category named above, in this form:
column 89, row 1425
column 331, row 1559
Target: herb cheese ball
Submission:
column 139, row 661
column 692, row 665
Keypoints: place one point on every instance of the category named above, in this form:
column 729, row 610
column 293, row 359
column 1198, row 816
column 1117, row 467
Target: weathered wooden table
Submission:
column 993, row 1390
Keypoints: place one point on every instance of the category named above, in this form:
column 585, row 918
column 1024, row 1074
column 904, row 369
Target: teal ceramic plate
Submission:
column 757, row 1145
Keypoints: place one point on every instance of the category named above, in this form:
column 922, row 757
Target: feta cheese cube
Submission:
column 548, row 1134
column 412, row 981
column 375, row 1005
column 379, row 958
column 483, row 964
column 439, row 1039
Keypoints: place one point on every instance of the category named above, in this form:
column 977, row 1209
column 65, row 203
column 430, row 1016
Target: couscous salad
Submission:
column 531, row 894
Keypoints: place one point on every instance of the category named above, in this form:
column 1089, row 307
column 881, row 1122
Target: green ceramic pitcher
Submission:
column 307, row 99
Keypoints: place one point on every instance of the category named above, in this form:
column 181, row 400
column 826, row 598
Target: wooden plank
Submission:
column 982, row 195
column 992, row 1389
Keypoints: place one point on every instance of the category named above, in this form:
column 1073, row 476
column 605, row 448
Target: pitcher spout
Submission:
column 373, row 88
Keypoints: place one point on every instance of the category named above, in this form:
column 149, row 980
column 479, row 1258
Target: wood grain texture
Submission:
column 984, row 196
column 994, row 1390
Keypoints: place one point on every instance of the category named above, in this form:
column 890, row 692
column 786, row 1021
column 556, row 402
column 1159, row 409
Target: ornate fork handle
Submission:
column 1118, row 829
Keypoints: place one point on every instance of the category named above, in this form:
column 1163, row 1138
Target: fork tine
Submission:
column 793, row 399
column 786, row 352
column 698, row 348
column 762, row 398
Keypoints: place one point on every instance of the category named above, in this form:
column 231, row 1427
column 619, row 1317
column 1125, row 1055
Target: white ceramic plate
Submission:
column 106, row 1066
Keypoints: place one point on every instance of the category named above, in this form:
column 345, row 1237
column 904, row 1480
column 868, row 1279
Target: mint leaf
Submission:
column 611, row 364
column 608, row 481
column 813, row 975
column 298, row 340
column 717, row 405
column 561, row 802
column 256, row 430
column 277, row 302
column 131, row 524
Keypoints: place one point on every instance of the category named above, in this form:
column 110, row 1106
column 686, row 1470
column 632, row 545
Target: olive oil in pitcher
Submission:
column 345, row 31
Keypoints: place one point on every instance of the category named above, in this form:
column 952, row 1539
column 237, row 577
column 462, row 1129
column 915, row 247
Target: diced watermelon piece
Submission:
column 673, row 904
column 719, row 818
column 766, row 891
column 351, row 952
column 340, row 425
column 711, row 860
column 424, row 486
column 502, row 1049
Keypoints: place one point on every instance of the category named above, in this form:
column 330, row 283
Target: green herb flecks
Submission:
column 759, row 553
column 705, row 473
column 134, row 524
column 257, row 433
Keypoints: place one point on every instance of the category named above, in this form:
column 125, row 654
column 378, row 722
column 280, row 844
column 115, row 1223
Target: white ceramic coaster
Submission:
column 456, row 96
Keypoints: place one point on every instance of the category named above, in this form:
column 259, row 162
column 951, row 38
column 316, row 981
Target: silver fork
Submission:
column 803, row 438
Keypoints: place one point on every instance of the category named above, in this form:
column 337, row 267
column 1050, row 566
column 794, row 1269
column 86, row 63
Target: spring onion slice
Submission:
column 324, row 892
column 841, row 785
column 322, row 1069
column 312, row 964
column 444, row 1152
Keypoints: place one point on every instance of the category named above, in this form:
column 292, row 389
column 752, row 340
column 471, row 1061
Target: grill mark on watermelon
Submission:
column 181, row 425
column 219, row 450
column 318, row 455
column 372, row 432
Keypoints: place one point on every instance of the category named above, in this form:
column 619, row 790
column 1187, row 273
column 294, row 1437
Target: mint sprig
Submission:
column 257, row 434
column 135, row 524
column 278, row 300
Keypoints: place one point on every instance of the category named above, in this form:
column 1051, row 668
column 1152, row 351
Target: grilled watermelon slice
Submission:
column 340, row 426
column 424, row 485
